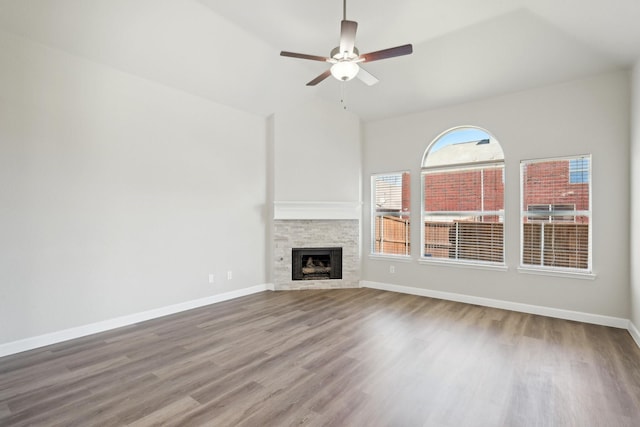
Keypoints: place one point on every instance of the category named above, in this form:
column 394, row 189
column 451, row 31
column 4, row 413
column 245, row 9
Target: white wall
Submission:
column 635, row 197
column 316, row 153
column 118, row 195
column 586, row 116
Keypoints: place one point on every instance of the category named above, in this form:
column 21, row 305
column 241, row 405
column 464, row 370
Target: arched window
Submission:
column 463, row 198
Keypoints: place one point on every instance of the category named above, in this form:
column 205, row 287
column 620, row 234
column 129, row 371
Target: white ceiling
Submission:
column 228, row 51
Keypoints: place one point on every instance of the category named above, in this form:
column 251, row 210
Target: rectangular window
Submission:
column 556, row 214
column 390, row 214
column 464, row 213
column 579, row 170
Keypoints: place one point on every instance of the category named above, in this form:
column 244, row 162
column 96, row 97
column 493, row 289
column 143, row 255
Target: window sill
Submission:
column 389, row 257
column 557, row 273
column 459, row 264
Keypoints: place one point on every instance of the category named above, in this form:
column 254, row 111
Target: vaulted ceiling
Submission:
column 228, row 51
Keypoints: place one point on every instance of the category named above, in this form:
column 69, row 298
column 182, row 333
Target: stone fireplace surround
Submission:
column 311, row 225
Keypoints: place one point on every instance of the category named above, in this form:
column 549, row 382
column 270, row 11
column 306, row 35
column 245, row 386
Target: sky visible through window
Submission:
column 459, row 135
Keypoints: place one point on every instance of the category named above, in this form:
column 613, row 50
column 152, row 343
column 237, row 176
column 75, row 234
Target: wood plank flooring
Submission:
column 353, row 357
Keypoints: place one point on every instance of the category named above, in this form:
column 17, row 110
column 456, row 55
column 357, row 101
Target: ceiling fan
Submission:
column 346, row 58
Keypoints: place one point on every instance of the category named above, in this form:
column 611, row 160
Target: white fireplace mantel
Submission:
column 317, row 210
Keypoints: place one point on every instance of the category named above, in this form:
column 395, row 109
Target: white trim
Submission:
column 317, row 210
column 391, row 257
column 578, row 316
column 557, row 273
column 462, row 264
column 635, row 333
column 106, row 325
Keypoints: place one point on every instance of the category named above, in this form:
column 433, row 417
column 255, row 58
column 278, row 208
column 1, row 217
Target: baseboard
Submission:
column 578, row 316
column 106, row 325
column 635, row 333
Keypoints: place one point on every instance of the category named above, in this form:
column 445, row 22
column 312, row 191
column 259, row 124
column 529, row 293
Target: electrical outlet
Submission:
column 229, row 275
column 392, row 269
column 211, row 278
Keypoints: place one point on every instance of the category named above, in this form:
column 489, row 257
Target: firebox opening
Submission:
column 316, row 263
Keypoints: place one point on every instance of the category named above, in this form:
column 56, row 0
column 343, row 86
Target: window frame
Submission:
column 550, row 214
column 374, row 214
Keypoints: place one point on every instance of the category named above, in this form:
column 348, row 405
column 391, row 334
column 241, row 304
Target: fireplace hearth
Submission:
column 316, row 263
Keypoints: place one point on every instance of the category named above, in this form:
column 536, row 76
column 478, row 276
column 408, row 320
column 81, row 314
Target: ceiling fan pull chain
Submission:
column 343, row 94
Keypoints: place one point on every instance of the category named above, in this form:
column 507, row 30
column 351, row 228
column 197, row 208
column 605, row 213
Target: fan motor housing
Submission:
column 336, row 54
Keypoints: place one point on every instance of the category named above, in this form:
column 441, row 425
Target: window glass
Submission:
column 579, row 170
column 390, row 214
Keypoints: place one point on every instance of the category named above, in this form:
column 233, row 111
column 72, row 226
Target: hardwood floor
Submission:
column 357, row 357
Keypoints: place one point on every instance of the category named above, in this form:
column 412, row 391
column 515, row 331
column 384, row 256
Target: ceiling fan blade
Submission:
column 392, row 52
column 305, row 56
column 320, row 78
column 366, row 77
column 348, row 36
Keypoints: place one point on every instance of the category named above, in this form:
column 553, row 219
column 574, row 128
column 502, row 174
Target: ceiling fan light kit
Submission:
column 344, row 70
column 346, row 58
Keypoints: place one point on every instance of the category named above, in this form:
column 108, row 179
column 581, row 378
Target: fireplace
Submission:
column 316, row 263
column 315, row 234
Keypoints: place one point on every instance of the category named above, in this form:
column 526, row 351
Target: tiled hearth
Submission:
column 289, row 233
